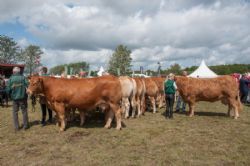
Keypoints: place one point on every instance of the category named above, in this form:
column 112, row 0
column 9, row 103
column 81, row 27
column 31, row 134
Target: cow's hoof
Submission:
column 236, row 117
column 61, row 130
column 107, row 127
column 118, row 128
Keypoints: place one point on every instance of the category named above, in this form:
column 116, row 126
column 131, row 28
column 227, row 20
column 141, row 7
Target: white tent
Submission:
column 101, row 71
column 203, row 72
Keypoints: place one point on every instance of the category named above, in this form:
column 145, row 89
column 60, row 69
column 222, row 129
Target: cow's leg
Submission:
column 118, row 117
column 127, row 107
column 108, row 118
column 134, row 106
column 153, row 103
column 229, row 110
column 236, row 111
column 161, row 100
column 191, row 109
column 58, row 123
column 234, row 104
column 143, row 107
column 82, row 117
column 61, row 115
column 138, row 106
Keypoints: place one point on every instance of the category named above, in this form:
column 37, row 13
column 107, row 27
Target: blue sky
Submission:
column 17, row 31
column 180, row 31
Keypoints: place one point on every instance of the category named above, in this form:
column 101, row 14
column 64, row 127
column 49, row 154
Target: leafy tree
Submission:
column 31, row 57
column 120, row 60
column 9, row 50
column 175, row 68
column 77, row 67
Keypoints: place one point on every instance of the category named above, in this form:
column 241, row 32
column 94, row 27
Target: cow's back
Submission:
column 210, row 89
column 83, row 93
column 159, row 82
column 128, row 86
column 151, row 87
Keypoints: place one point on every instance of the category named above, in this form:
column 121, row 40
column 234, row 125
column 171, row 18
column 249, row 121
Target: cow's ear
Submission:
column 29, row 77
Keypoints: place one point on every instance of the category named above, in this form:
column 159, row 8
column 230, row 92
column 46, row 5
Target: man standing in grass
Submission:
column 16, row 88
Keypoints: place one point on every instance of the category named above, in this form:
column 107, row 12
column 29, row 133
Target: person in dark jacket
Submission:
column 16, row 88
column 169, row 89
column 244, row 89
column 42, row 101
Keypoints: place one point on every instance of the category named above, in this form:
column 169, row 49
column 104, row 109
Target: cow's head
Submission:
column 35, row 85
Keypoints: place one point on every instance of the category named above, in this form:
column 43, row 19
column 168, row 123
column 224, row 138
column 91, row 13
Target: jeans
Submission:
column 243, row 97
column 178, row 106
column 170, row 104
column 23, row 105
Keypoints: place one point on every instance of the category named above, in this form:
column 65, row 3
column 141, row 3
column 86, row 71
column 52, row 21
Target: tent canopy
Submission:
column 203, row 72
column 6, row 69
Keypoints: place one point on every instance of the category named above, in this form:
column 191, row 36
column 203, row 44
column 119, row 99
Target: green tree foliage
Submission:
column 175, row 68
column 77, row 67
column 9, row 50
column 120, row 60
column 31, row 57
column 225, row 69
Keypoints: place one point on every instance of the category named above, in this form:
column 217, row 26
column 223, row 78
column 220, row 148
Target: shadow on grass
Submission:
column 34, row 123
column 210, row 114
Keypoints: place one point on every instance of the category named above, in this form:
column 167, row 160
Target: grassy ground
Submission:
column 208, row 138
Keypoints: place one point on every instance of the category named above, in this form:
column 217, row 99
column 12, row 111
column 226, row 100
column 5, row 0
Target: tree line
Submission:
column 12, row 53
column 72, row 68
column 119, row 62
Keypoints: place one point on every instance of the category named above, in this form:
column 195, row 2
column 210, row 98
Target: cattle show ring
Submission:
column 129, row 120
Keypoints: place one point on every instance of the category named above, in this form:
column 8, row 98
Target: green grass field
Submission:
column 208, row 138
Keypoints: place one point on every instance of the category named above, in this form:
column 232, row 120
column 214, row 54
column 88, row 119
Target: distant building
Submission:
column 6, row 69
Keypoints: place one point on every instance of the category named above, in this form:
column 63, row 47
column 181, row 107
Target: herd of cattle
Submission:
column 117, row 95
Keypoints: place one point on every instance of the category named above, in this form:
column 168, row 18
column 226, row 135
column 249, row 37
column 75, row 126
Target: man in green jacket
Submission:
column 16, row 88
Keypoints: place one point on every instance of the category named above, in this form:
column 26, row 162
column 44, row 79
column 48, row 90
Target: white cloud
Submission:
column 23, row 42
column 178, row 31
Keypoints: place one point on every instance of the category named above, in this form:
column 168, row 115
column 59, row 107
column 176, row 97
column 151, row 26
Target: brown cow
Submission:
column 222, row 88
column 152, row 92
column 140, row 96
column 160, row 84
column 83, row 94
column 128, row 89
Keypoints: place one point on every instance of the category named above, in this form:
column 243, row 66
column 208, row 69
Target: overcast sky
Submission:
column 169, row 31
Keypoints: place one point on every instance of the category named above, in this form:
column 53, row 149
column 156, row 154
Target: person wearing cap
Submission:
column 180, row 102
column 16, row 88
column 170, row 89
column 42, row 101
